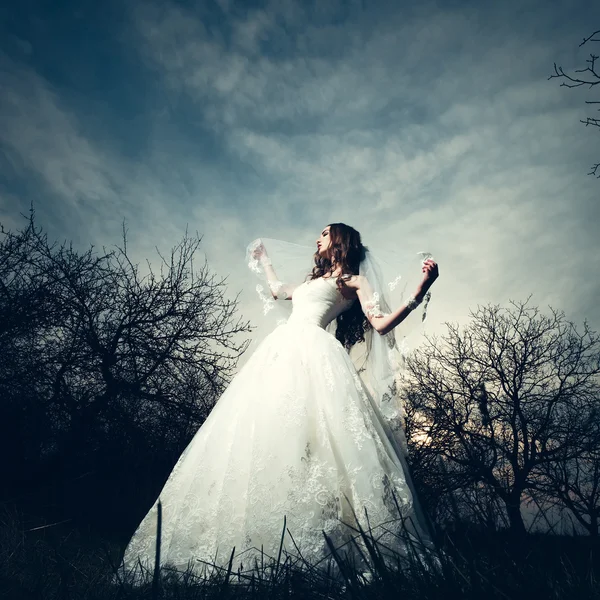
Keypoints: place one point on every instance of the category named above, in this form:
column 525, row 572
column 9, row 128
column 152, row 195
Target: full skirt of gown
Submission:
column 295, row 435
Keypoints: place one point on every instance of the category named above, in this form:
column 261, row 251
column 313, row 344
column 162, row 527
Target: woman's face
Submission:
column 324, row 243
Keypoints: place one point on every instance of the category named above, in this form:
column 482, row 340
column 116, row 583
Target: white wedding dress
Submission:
column 295, row 435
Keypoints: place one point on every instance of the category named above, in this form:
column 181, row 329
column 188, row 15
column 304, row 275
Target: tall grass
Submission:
column 55, row 561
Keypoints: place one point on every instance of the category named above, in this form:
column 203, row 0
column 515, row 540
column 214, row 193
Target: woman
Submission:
column 296, row 435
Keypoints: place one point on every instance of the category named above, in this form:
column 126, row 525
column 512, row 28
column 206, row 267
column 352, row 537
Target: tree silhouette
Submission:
column 589, row 76
column 106, row 373
column 574, row 483
column 491, row 405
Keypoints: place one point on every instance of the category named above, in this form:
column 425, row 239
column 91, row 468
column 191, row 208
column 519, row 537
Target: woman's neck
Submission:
column 335, row 271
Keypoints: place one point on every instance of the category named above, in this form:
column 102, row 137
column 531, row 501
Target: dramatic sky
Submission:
column 427, row 126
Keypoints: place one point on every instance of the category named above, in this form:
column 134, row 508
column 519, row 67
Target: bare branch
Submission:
column 588, row 76
column 591, row 38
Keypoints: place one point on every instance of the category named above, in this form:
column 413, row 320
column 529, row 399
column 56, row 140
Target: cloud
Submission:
column 434, row 129
column 425, row 127
column 79, row 187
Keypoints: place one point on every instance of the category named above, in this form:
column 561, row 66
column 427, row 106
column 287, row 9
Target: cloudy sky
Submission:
column 427, row 126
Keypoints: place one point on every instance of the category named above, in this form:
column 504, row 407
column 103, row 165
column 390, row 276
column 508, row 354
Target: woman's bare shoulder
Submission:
column 354, row 281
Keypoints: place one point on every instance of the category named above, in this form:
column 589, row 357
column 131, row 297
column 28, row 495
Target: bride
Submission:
column 298, row 434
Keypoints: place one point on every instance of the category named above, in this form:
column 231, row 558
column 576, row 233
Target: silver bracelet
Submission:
column 266, row 262
column 412, row 302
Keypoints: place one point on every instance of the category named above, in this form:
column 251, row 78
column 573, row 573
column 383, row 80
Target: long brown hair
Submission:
column 346, row 251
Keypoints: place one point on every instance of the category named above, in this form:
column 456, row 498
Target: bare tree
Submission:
column 99, row 362
column 589, row 76
column 500, row 399
column 574, row 484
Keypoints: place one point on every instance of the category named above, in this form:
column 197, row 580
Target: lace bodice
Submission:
column 318, row 302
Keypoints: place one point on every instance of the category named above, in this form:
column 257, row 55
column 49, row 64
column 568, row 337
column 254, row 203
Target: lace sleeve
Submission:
column 372, row 307
column 260, row 263
column 370, row 301
column 281, row 290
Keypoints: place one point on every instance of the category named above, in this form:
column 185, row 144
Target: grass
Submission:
column 60, row 562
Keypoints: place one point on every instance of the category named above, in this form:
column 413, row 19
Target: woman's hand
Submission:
column 430, row 273
column 260, row 253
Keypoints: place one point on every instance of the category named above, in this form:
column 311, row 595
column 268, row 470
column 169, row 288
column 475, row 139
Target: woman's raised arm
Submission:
column 369, row 300
column 279, row 289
